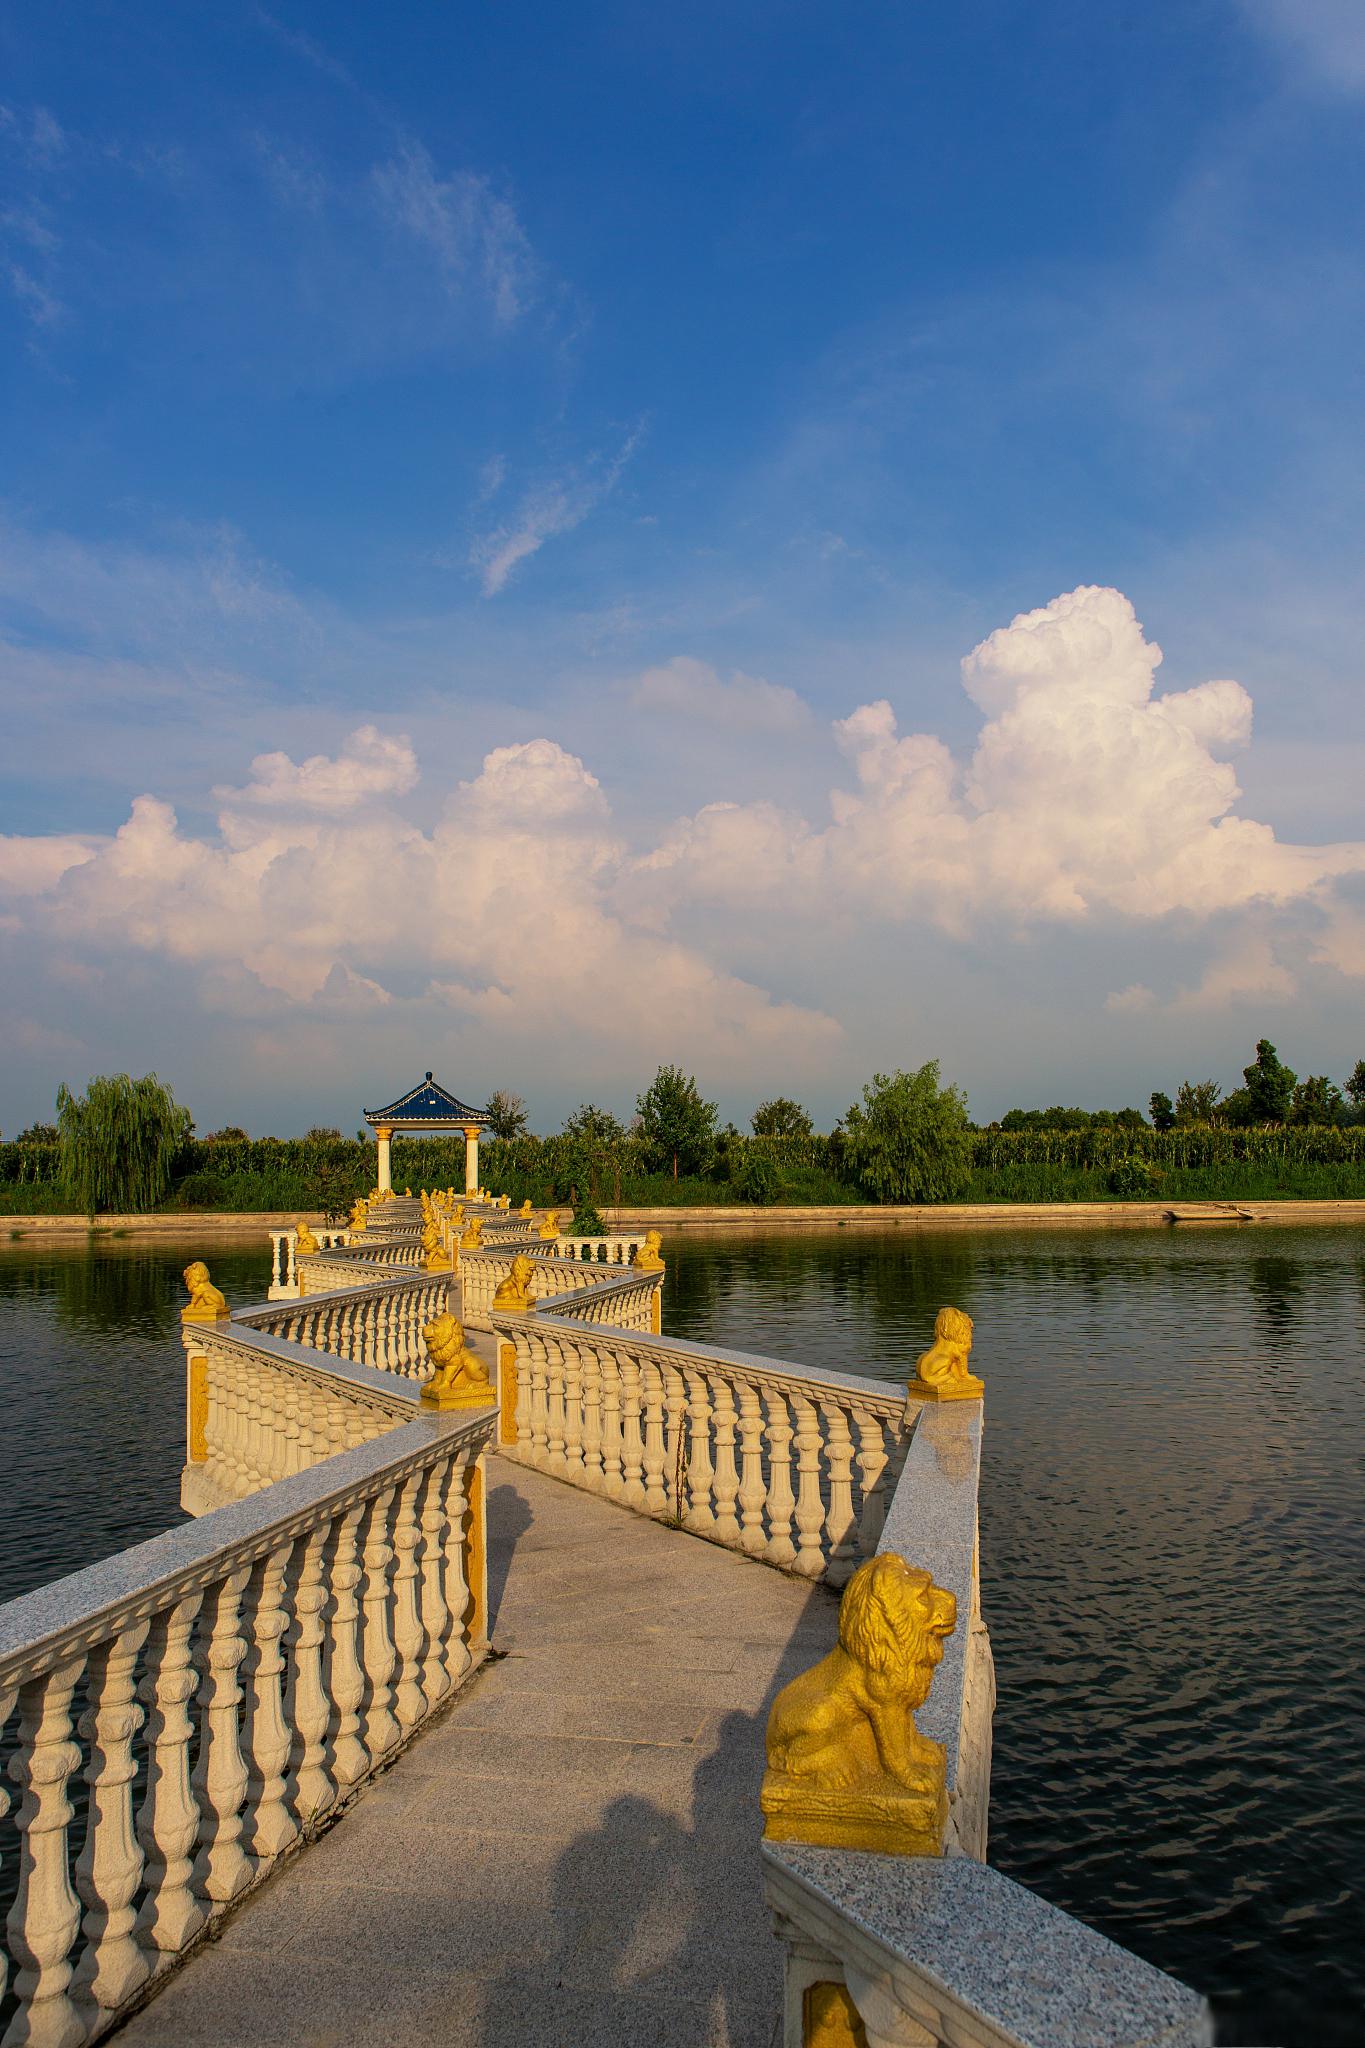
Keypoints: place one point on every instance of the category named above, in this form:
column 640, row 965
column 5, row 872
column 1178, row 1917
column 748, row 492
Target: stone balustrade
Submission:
column 378, row 1324
column 259, row 1408
column 191, row 1709
column 482, row 1272
column 284, row 1281
column 790, row 1464
column 355, row 1265
column 603, row 1251
column 628, row 1300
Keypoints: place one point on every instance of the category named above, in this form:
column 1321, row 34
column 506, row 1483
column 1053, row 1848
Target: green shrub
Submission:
column 756, row 1180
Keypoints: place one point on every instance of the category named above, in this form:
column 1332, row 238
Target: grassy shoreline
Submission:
column 237, row 1223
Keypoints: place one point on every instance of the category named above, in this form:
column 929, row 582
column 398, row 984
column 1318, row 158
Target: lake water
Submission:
column 1171, row 1539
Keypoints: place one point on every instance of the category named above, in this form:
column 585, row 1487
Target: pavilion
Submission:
column 428, row 1107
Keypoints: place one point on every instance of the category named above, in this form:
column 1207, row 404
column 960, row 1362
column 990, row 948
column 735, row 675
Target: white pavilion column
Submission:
column 471, row 1159
column 384, row 1134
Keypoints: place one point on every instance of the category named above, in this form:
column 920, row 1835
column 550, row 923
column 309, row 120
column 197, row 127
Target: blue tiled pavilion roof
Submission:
column 427, row 1103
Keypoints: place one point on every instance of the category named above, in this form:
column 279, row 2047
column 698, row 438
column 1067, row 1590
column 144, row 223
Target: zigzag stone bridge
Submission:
column 446, row 1722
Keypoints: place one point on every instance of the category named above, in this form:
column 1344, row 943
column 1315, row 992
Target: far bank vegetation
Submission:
column 126, row 1145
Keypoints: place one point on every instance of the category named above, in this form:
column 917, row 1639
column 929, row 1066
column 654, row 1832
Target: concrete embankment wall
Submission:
column 956, row 1214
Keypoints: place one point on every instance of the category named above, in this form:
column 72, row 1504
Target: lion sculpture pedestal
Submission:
column 847, row 1768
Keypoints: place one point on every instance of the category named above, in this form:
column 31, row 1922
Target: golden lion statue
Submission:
column 549, row 1229
column 526, row 1207
column 473, row 1235
column 649, row 1255
column 513, row 1296
column 435, row 1258
column 207, row 1303
column 304, row 1241
column 360, row 1214
column 847, row 1768
column 941, row 1373
column 461, row 1377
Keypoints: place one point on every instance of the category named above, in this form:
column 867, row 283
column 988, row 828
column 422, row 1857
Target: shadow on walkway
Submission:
column 654, row 1916
column 509, row 1517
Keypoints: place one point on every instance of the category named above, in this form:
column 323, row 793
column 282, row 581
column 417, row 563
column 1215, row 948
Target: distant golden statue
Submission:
column 473, row 1235
column 549, row 1229
column 942, row 1373
column 648, row 1257
column 513, row 1296
column 461, row 1377
column 435, row 1257
column 360, row 1215
column 207, row 1303
column 304, row 1241
column 526, row 1206
column 847, row 1768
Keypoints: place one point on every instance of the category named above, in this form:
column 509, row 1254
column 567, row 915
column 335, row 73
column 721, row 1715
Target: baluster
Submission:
column 457, row 1599
column 655, row 1492
column 588, row 1403
column 554, row 1389
column 872, row 1457
column 46, row 1913
column 270, row 1825
column 781, row 1500
column 381, row 1659
column 520, row 1361
column 727, row 1478
column 220, row 1776
column 436, row 1680
column 310, row 1710
column 839, row 1521
column 168, row 1818
column 289, row 1452
column 346, row 1677
column 752, row 1491
column 539, row 1368
column 626, row 1368
column 675, row 1442
column 110, row 1865
column 408, row 1638
column 578, row 1362
column 700, row 1516
column 601, row 1406
column 614, row 1377
column 810, row 1507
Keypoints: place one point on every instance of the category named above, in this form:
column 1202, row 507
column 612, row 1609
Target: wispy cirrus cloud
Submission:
column 472, row 231
column 548, row 509
column 1328, row 36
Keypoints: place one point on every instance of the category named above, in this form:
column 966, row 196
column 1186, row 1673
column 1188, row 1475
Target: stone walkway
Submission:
column 570, row 1854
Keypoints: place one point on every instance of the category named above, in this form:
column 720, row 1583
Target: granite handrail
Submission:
column 789, row 1463
column 943, row 1952
column 221, row 1692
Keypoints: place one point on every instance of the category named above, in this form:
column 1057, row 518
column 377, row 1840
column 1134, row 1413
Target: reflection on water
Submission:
column 1171, row 1546
column 92, row 1394
column 1172, row 1558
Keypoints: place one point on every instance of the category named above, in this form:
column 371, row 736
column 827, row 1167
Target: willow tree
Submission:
column 909, row 1140
column 118, row 1141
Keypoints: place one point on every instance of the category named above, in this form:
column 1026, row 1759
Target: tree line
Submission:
column 127, row 1145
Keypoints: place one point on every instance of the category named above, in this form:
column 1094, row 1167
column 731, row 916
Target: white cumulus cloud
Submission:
column 370, row 765
column 327, row 896
column 1087, row 795
column 690, row 689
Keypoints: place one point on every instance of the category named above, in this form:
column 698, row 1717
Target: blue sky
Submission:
column 599, row 407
